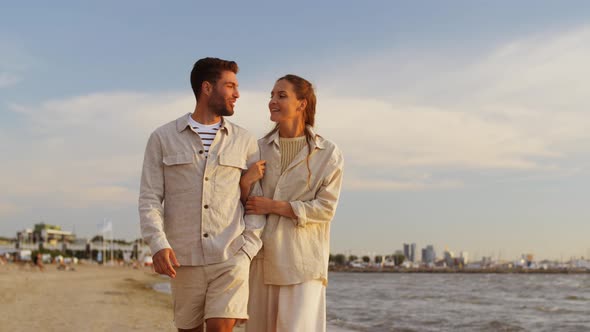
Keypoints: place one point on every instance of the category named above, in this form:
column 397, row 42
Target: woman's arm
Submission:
column 264, row 205
column 321, row 209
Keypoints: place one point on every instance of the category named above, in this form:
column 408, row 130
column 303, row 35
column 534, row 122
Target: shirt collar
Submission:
column 226, row 125
column 316, row 142
column 182, row 123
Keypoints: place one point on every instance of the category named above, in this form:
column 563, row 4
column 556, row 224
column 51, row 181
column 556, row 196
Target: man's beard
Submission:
column 219, row 106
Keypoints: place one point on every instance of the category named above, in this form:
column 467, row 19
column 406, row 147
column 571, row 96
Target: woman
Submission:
column 301, row 176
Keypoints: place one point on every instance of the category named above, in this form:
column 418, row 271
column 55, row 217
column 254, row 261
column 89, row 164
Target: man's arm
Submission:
column 151, row 210
column 254, row 223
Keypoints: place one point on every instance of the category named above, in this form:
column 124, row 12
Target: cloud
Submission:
column 7, row 79
column 84, row 151
column 362, row 183
column 517, row 110
column 541, row 72
column 419, row 137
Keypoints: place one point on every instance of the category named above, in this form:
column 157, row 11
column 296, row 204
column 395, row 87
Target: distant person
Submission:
column 61, row 263
column 189, row 204
column 301, row 176
column 39, row 261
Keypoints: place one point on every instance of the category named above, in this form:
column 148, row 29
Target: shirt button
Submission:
column 201, row 151
column 206, row 206
column 206, row 179
column 205, row 235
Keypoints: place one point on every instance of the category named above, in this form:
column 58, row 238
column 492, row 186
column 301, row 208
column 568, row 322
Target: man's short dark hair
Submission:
column 209, row 70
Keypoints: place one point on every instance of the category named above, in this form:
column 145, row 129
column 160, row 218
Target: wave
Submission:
column 496, row 325
column 552, row 309
column 162, row 287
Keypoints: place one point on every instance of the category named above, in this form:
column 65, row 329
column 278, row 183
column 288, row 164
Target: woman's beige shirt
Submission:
column 297, row 250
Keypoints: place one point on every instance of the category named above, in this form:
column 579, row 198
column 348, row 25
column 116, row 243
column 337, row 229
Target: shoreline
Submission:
column 345, row 269
column 90, row 297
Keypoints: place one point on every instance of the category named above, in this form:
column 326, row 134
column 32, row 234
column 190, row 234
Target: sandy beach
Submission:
column 88, row 297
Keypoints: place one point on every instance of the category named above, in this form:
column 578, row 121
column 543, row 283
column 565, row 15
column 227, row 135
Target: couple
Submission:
column 211, row 197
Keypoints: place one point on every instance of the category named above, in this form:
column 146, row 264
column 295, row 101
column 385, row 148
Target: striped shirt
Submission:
column 206, row 132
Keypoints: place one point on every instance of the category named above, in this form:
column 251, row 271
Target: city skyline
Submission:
column 462, row 125
column 428, row 251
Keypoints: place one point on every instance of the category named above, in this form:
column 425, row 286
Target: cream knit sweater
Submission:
column 289, row 148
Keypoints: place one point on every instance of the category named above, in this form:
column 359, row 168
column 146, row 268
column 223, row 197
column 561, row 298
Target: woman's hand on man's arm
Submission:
column 253, row 174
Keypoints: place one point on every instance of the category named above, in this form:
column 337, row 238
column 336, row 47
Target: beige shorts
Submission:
column 211, row 291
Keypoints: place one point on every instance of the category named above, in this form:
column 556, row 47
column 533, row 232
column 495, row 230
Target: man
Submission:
column 189, row 204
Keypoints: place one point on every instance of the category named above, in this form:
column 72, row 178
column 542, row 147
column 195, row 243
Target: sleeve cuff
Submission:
column 299, row 210
column 247, row 254
column 248, row 250
column 159, row 244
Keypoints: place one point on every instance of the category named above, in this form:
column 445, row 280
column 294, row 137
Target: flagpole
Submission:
column 112, row 240
column 104, row 257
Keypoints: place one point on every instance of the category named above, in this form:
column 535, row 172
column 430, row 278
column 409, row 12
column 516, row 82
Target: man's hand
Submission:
column 165, row 262
column 259, row 205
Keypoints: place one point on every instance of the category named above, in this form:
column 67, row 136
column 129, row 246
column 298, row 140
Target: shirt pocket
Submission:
column 228, row 172
column 179, row 172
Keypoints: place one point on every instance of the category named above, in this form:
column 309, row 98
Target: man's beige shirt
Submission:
column 190, row 201
column 297, row 250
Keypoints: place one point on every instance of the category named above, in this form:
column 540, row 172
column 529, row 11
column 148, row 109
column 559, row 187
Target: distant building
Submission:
column 50, row 237
column 486, row 261
column 580, row 264
column 464, row 257
column 527, row 259
column 449, row 258
column 407, row 250
column 5, row 241
column 428, row 255
column 45, row 235
column 410, row 252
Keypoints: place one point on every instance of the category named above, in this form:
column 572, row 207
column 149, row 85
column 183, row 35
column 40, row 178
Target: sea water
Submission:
column 459, row 302
column 456, row 302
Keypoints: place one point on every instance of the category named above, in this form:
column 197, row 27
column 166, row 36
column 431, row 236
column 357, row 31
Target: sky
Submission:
column 463, row 124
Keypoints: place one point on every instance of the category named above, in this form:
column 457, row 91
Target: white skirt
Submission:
column 292, row 308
